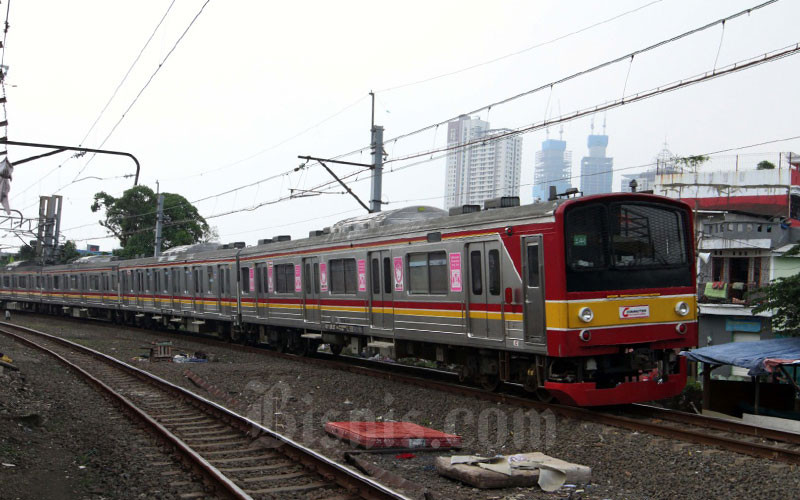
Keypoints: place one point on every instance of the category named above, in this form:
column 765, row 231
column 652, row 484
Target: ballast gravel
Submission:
column 297, row 399
column 61, row 439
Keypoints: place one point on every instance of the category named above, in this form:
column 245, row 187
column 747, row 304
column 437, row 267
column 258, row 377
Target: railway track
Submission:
column 726, row 434
column 235, row 457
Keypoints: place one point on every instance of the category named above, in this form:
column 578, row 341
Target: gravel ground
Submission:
column 625, row 464
column 52, row 447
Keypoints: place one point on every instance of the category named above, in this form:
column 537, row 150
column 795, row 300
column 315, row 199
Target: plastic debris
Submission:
column 405, row 456
column 8, row 465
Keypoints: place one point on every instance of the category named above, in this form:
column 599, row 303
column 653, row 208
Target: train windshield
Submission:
column 621, row 246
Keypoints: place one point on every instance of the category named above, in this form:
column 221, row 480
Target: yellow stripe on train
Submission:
column 619, row 311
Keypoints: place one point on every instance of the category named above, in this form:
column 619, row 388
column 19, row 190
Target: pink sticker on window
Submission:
column 362, row 275
column 455, row 272
column 298, row 282
column 323, row 277
column 270, row 281
column 398, row 274
column 252, row 279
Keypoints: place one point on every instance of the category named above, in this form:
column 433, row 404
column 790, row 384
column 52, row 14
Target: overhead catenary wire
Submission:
column 284, row 198
column 594, row 68
column 147, row 84
column 127, row 74
column 739, row 66
column 527, row 49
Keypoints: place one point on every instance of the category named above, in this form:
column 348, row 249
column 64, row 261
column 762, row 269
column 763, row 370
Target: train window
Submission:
column 493, row 268
column 38, row 282
column 6, row 282
column 437, row 268
column 475, row 272
column 284, row 278
column 375, row 276
column 245, row 272
column 210, row 279
column 533, row 266
column 307, row 278
column 427, row 272
column 157, row 287
column 343, row 275
column 74, row 282
column 186, row 279
column 647, row 236
column 387, row 275
column 418, row 273
column 587, row 237
column 316, row 277
column 259, row 282
column 22, row 282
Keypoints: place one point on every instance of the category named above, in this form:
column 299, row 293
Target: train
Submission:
column 587, row 300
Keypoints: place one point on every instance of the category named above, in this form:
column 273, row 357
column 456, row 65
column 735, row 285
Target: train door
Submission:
column 261, row 290
column 533, row 289
column 175, row 287
column 381, row 281
column 485, row 287
column 198, row 295
column 311, row 289
column 224, row 289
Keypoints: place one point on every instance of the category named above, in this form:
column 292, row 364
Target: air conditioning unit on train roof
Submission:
column 464, row 209
column 265, row 241
column 501, row 202
column 282, row 237
column 315, row 233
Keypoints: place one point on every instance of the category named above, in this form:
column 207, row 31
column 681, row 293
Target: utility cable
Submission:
column 147, row 84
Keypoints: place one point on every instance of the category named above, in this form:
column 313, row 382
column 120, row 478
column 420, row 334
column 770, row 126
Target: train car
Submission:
column 587, row 299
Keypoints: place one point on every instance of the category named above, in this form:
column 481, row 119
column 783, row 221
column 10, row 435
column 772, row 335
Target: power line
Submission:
column 283, row 198
column 594, row 68
column 124, row 78
column 277, row 145
column 149, row 80
column 528, row 49
column 639, row 96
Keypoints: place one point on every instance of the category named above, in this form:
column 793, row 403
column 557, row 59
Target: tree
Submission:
column 67, row 252
column 782, row 297
column 132, row 219
column 26, row 252
column 690, row 162
column 765, row 165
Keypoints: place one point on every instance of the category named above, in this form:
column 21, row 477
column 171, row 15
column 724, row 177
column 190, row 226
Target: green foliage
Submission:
column 765, row 165
column 26, row 252
column 691, row 162
column 782, row 297
column 132, row 219
column 67, row 252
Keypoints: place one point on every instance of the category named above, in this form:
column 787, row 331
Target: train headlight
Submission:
column 586, row 315
column 682, row 308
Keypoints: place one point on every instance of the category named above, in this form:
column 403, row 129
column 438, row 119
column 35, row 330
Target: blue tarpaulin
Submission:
column 755, row 356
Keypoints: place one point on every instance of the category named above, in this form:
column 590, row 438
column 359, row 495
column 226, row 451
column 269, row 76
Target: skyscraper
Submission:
column 483, row 170
column 553, row 167
column 596, row 169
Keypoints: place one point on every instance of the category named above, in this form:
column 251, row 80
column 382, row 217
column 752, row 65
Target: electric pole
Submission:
column 377, row 162
column 159, row 221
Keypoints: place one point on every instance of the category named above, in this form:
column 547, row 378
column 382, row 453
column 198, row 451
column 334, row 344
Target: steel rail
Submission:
column 404, row 374
column 348, row 479
column 226, row 486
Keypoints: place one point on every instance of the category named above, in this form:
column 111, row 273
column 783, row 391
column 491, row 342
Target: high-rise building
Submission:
column 597, row 168
column 553, row 168
column 484, row 170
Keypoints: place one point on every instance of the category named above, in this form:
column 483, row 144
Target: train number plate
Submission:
column 633, row 312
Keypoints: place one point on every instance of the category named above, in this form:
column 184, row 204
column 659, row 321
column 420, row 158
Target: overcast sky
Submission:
column 254, row 84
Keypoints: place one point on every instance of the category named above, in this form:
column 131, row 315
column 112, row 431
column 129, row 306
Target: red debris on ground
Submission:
column 392, row 435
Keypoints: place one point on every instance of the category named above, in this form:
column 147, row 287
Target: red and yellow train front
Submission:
column 622, row 302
